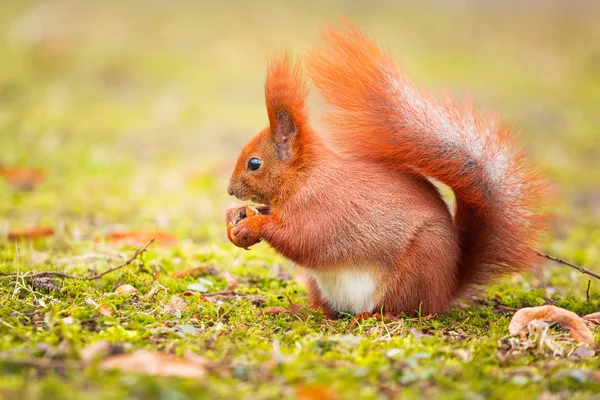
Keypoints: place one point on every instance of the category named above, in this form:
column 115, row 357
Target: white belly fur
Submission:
column 350, row 289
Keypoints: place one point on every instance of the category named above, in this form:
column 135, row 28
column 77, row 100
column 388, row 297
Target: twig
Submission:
column 42, row 363
column 506, row 308
column 59, row 274
column 221, row 293
column 587, row 292
column 564, row 262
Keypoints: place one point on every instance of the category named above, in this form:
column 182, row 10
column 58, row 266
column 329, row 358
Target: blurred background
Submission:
column 135, row 111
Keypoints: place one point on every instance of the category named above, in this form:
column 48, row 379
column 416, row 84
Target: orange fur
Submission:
column 379, row 114
column 366, row 221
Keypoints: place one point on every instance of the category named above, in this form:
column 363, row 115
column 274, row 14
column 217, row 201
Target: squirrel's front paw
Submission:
column 241, row 236
column 234, row 215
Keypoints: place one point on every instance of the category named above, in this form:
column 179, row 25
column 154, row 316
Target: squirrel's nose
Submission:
column 230, row 190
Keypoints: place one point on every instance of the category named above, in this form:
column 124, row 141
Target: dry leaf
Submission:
column 593, row 318
column 275, row 310
column 175, row 304
column 188, row 293
column 156, row 364
column 232, row 283
column 549, row 313
column 313, row 392
column 95, row 351
column 139, row 238
column 153, row 291
column 125, row 290
column 294, row 308
column 104, row 310
column 36, row 232
column 23, row 178
column 195, row 272
column 418, row 333
column 584, row 351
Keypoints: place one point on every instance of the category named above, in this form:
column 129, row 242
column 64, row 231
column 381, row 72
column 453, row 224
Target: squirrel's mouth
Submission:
column 260, row 200
column 245, row 196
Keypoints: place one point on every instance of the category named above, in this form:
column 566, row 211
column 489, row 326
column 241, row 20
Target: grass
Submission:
column 136, row 112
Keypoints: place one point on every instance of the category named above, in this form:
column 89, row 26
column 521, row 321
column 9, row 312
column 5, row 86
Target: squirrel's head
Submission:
column 268, row 163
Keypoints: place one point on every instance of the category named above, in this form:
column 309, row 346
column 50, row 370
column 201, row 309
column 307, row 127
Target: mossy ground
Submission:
column 136, row 111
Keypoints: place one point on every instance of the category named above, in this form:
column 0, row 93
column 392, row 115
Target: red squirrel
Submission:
column 362, row 218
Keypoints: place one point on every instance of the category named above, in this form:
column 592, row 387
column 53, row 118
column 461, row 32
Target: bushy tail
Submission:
column 377, row 112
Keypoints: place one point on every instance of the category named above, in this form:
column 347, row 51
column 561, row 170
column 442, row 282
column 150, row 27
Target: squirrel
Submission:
column 362, row 217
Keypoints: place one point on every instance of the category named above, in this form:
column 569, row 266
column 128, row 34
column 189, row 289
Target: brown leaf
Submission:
column 125, row 290
column 232, row 283
column 295, row 308
column 276, row 310
column 95, row 351
column 189, row 293
column 593, row 318
column 313, row 392
column 549, row 313
column 141, row 237
column 32, row 233
column 195, row 272
column 175, row 304
column 104, row 310
column 155, row 364
column 298, row 310
column 23, row 178
column 153, row 291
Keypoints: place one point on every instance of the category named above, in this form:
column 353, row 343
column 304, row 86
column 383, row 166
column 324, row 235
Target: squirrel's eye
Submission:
column 254, row 164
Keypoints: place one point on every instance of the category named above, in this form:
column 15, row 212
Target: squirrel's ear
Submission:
column 284, row 133
column 285, row 92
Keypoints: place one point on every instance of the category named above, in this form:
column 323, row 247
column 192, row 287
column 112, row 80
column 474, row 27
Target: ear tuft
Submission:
column 285, row 93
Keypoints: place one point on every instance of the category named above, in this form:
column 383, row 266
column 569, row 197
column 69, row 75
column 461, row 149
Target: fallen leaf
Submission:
column 295, row 310
column 174, row 305
column 36, row 232
column 153, row 291
column 125, row 290
column 593, row 318
column 584, row 351
column 104, row 310
column 276, row 310
column 195, row 272
column 418, row 333
column 313, row 392
column 23, row 178
column 140, row 237
column 549, row 313
column 188, row 293
column 200, row 286
column 186, row 328
column 155, row 364
column 95, row 351
column 232, row 283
